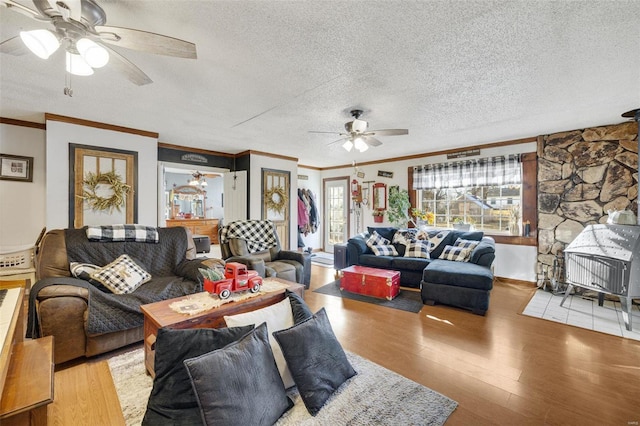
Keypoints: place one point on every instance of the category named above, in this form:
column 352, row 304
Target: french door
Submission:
column 336, row 211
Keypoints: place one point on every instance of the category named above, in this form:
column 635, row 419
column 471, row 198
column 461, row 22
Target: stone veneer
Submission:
column 582, row 174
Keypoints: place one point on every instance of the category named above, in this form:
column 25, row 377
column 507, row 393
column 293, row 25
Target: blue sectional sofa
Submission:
column 462, row 284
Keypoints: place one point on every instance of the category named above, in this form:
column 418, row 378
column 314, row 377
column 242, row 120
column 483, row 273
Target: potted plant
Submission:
column 459, row 223
column 378, row 215
column 399, row 206
column 422, row 218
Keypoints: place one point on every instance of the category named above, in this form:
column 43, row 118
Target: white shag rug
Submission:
column 375, row 395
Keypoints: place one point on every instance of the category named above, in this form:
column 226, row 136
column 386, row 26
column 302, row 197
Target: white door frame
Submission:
column 344, row 217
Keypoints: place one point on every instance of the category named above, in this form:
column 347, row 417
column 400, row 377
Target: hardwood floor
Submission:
column 504, row 368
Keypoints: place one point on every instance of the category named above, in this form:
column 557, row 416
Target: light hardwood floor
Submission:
column 504, row 368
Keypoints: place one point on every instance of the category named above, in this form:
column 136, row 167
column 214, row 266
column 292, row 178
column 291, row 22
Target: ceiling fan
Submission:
column 357, row 136
column 79, row 26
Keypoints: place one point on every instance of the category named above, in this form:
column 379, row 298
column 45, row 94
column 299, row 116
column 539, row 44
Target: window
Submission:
column 486, row 193
column 487, row 208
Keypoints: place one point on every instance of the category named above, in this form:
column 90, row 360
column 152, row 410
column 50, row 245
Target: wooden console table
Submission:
column 159, row 314
column 29, row 385
column 208, row 227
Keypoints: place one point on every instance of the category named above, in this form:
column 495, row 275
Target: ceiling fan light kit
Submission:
column 93, row 54
column 80, row 28
column 76, row 65
column 43, row 43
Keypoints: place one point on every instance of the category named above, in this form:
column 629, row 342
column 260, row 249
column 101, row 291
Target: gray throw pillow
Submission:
column 172, row 401
column 316, row 360
column 299, row 307
column 239, row 384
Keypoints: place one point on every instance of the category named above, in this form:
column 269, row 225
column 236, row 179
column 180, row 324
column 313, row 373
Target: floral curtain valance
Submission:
column 481, row 172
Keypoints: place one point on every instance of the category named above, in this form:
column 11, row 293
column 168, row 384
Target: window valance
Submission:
column 500, row 170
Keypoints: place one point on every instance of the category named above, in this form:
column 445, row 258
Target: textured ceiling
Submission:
column 455, row 73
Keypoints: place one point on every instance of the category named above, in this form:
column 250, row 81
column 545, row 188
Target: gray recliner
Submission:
column 270, row 262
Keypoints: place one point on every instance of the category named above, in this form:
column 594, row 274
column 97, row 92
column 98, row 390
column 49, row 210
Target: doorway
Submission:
column 336, row 211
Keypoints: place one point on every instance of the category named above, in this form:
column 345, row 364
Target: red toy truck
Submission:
column 236, row 278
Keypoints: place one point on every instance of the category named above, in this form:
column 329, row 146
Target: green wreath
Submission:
column 96, row 202
column 276, row 199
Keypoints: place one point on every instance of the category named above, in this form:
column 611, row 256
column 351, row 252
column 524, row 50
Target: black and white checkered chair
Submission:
column 255, row 243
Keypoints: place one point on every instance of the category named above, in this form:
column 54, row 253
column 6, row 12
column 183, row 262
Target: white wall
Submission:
column 258, row 162
column 314, row 184
column 60, row 135
column 22, row 204
column 512, row 261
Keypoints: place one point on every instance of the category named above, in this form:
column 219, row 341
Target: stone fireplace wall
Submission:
column 582, row 174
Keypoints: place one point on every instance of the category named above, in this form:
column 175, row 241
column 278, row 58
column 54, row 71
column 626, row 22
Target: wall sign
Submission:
column 382, row 173
column 197, row 158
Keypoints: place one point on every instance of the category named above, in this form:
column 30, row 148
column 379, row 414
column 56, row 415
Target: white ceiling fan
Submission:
column 79, row 26
column 357, row 136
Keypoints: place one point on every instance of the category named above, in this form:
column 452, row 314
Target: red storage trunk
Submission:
column 373, row 282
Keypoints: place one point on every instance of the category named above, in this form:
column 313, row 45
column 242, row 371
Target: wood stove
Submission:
column 606, row 258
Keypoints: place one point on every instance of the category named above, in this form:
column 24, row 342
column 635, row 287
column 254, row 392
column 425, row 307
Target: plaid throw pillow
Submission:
column 417, row 249
column 384, row 250
column 470, row 244
column 376, row 239
column 122, row 276
column 458, row 254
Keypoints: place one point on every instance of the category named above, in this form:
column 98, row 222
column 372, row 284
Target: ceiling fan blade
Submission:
column 147, row 42
column 339, row 140
column 125, row 66
column 371, row 141
column 389, row 132
column 13, row 46
column 65, row 8
column 17, row 7
column 331, row 133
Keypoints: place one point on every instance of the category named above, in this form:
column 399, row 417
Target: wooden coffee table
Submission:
column 159, row 314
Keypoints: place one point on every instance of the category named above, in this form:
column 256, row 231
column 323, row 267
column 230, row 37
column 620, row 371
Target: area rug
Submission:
column 322, row 259
column 375, row 395
column 406, row 301
column 583, row 312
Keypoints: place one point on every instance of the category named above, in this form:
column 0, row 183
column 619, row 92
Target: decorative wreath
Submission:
column 276, row 199
column 119, row 189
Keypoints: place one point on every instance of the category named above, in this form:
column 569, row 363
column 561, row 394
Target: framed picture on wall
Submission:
column 16, row 167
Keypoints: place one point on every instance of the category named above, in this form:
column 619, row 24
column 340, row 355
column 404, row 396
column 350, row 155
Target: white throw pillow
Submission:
column 278, row 317
column 122, row 276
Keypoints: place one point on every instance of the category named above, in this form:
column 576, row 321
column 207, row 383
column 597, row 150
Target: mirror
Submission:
column 379, row 196
column 187, row 202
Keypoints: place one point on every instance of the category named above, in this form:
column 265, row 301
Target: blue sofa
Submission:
column 462, row 284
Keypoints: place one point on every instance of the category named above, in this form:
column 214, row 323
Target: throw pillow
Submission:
column 435, row 238
column 83, row 271
column 278, row 317
column 470, row 244
column 384, row 231
column 122, row 276
column 239, row 384
column 458, row 254
column 404, row 236
column 172, row 400
column 376, row 239
column 417, row 249
column 299, row 307
column 384, row 250
column 318, row 363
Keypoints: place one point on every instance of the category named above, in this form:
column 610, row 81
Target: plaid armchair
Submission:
column 255, row 243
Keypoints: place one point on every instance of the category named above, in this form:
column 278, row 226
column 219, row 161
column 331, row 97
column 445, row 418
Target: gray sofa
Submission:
column 462, row 284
